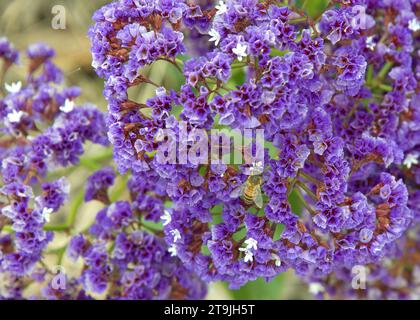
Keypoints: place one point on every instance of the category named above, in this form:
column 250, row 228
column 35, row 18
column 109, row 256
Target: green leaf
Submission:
column 295, row 203
column 315, row 7
column 237, row 78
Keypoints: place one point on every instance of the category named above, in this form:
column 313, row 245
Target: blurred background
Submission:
column 25, row 22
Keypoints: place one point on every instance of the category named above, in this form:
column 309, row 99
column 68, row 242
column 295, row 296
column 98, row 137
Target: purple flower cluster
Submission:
column 337, row 97
column 41, row 129
column 98, row 183
column 396, row 277
column 136, row 264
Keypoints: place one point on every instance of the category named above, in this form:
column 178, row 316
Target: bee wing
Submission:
column 257, row 197
column 236, row 193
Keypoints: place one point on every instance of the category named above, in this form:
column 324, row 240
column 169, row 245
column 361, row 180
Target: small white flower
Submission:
column 249, row 256
column 46, row 214
column 276, row 259
column 68, row 106
column 15, row 116
column 176, row 234
column 315, row 288
column 166, row 217
column 215, row 36
column 172, row 250
column 414, row 25
column 411, row 159
column 370, row 44
column 13, row 87
column 240, row 51
column 251, row 243
column 221, row 7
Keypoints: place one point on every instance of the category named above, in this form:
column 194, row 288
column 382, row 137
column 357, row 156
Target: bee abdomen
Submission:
column 249, row 193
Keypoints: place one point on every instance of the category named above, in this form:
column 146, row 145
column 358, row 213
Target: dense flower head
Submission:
column 138, row 265
column 336, row 96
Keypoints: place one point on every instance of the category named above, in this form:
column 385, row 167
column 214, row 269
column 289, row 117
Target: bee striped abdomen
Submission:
column 249, row 192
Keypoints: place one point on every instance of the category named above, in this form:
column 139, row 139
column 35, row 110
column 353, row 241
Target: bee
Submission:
column 250, row 190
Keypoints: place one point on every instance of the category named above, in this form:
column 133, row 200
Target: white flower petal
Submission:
column 215, row 36
column 172, row 250
column 68, row 106
column 15, row 116
column 411, row 159
column 315, row 288
column 240, row 51
column 166, row 217
column 176, row 234
column 370, row 44
column 414, row 25
column 13, row 87
column 251, row 243
column 46, row 212
column 221, row 7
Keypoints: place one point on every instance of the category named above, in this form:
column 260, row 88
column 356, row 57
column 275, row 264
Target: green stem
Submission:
column 308, row 191
column 304, row 203
column 369, row 75
column 149, row 228
column 291, row 186
column 60, row 255
column 309, row 177
column 74, row 208
column 384, row 71
column 297, row 20
column 385, row 87
column 59, row 227
column 238, row 66
column 119, row 190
